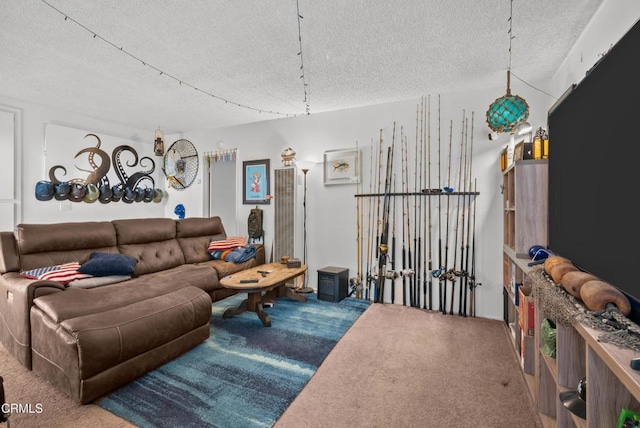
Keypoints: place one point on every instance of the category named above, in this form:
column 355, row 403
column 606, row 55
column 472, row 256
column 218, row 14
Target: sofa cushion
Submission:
column 64, row 273
column 108, row 338
column 106, row 264
column 154, row 257
column 42, row 245
column 152, row 241
column 227, row 268
column 97, row 281
column 76, row 302
column 144, row 230
column 194, row 235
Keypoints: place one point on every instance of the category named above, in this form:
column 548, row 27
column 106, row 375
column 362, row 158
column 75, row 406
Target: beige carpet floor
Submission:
column 396, row 367
column 23, row 387
column 405, row 367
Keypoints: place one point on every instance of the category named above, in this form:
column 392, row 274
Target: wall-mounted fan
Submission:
column 181, row 164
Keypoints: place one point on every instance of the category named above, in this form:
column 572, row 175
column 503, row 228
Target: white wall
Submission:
column 612, row 20
column 331, row 210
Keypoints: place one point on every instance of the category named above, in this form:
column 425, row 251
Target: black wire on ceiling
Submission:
column 182, row 82
column 304, row 82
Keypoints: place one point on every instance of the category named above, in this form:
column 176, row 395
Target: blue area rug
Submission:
column 245, row 375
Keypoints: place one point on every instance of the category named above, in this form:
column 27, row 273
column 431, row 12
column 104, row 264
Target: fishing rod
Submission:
column 384, row 236
column 451, row 272
column 370, row 224
column 436, row 274
column 376, row 280
column 418, row 211
column 472, row 278
column 389, row 274
column 404, row 217
column 461, row 273
column 393, row 245
column 466, row 264
column 415, row 217
column 421, row 223
column 428, row 284
column 409, row 271
column 443, row 270
column 356, row 283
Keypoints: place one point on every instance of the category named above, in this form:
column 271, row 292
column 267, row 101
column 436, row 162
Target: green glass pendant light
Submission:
column 507, row 112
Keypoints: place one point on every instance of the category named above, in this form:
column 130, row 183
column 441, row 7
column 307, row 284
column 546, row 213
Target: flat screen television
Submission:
column 594, row 170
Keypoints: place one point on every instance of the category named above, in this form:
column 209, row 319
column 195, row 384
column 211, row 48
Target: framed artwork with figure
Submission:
column 255, row 182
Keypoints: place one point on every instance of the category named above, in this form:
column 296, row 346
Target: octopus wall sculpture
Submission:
column 136, row 187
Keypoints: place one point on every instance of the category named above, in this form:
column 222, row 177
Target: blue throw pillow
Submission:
column 106, row 264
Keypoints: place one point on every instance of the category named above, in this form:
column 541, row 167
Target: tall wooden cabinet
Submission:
column 524, row 197
column 612, row 385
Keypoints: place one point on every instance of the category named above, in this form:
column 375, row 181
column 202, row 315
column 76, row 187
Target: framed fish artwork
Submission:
column 341, row 166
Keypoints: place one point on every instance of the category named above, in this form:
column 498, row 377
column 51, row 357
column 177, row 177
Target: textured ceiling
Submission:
column 173, row 63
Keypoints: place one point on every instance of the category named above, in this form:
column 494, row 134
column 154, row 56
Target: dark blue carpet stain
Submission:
column 245, row 375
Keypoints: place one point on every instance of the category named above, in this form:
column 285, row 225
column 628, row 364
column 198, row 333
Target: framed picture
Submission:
column 341, row 167
column 518, row 151
column 255, row 182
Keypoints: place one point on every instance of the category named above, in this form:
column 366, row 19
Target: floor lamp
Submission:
column 304, row 288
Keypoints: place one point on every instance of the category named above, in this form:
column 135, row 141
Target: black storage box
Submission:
column 333, row 283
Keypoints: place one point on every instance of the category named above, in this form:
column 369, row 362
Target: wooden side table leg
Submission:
column 264, row 317
column 229, row 312
column 293, row 295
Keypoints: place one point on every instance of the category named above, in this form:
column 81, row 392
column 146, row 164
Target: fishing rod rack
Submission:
column 365, row 195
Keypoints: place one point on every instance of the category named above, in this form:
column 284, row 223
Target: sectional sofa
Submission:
column 93, row 337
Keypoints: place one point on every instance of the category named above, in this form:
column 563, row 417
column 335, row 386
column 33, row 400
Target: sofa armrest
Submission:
column 260, row 253
column 16, row 298
column 9, row 258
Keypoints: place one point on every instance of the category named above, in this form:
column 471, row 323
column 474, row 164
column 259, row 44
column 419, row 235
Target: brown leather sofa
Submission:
column 89, row 341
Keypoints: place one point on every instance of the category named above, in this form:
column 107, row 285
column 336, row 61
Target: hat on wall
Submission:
column 116, row 193
column 78, row 190
column 139, row 194
column 148, row 194
column 105, row 193
column 92, row 194
column 129, row 195
column 576, row 401
column 44, row 190
column 158, row 195
column 62, row 191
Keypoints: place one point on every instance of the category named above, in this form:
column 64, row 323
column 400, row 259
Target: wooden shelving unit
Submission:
column 524, row 200
column 612, row 384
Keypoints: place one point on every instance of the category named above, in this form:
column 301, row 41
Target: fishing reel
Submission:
column 438, row 272
column 472, row 282
column 371, row 277
column 355, row 284
column 407, row 273
column 384, row 249
column 390, row 274
column 460, row 273
column 450, row 275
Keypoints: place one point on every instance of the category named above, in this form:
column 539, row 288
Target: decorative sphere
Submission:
column 506, row 113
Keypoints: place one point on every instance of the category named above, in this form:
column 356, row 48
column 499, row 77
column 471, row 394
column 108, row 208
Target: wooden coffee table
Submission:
column 272, row 283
